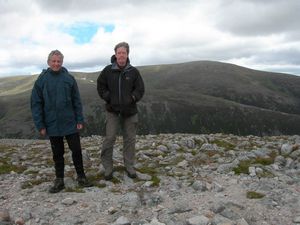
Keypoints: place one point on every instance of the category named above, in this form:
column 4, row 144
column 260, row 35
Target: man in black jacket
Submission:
column 121, row 86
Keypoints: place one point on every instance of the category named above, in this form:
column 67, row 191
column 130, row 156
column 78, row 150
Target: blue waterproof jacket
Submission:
column 55, row 103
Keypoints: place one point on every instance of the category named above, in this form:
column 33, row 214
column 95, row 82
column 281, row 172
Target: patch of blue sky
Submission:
column 83, row 32
column 27, row 41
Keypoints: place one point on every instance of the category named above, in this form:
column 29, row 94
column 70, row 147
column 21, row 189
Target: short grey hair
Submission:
column 55, row 52
column 122, row 44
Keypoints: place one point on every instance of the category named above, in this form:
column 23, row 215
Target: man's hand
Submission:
column 43, row 132
column 79, row 126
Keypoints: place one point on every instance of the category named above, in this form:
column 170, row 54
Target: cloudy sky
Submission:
column 257, row 34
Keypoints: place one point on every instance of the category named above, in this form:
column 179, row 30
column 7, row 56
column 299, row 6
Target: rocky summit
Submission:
column 182, row 179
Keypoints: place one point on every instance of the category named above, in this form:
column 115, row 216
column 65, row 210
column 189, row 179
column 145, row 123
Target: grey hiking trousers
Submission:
column 128, row 127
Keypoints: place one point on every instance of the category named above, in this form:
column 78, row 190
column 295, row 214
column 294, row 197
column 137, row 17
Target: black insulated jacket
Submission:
column 121, row 89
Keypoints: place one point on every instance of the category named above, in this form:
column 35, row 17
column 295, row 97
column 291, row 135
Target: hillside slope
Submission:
column 193, row 97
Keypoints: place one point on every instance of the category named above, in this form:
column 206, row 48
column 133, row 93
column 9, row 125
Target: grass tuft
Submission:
column 6, row 168
column 224, row 144
column 254, row 195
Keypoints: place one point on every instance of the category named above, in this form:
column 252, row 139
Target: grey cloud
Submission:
column 163, row 31
column 95, row 62
column 287, row 56
column 79, row 6
column 259, row 17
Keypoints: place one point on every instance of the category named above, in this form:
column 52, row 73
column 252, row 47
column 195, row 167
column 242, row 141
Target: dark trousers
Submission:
column 58, row 150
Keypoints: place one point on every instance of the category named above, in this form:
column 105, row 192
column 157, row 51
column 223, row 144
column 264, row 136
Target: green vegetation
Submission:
column 243, row 166
column 5, row 149
column 148, row 170
column 95, row 178
column 199, row 142
column 264, row 161
column 7, row 168
column 218, row 98
column 194, row 152
column 76, row 190
column 224, row 144
column 30, row 183
column 34, row 172
column 254, row 195
column 155, row 181
column 178, row 159
column 153, row 173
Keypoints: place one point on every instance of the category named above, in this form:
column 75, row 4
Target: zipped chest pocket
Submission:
column 67, row 88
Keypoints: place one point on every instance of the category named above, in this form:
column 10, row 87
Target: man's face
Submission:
column 121, row 55
column 55, row 62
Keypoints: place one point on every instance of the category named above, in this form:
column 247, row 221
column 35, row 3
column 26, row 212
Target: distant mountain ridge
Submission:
column 192, row 97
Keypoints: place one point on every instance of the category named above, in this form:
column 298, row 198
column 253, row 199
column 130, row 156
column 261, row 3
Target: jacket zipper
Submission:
column 120, row 81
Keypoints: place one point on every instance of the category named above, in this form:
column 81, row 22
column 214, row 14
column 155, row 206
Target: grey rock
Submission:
column 68, row 201
column 174, row 147
column 286, row 149
column 262, row 152
column 162, row 148
column 209, row 147
column 280, row 161
column 296, row 219
column 181, row 207
column 131, row 199
column 198, row 220
column 144, row 176
column 218, row 220
column 217, row 187
column 184, row 172
column 241, row 221
column 199, row 186
column 218, row 207
column 252, row 171
column 154, row 221
column 295, row 154
column 189, row 143
column 122, row 221
column 226, row 168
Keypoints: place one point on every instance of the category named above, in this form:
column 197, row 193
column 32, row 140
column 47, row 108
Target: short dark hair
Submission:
column 122, row 44
column 55, row 52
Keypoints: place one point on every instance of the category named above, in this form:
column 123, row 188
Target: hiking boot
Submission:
column 131, row 173
column 84, row 182
column 57, row 186
column 108, row 175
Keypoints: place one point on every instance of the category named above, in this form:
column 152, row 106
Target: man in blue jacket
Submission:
column 57, row 112
column 121, row 86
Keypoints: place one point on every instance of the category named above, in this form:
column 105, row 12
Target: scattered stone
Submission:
column 179, row 176
column 19, row 221
column 4, row 216
column 296, row 219
column 252, row 171
column 217, row 187
column 286, row 149
column 112, row 210
column 68, row 201
column 154, row 221
column 199, row 185
column 122, row 221
column 198, row 220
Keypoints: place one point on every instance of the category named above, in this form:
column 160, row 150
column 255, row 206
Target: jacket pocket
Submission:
column 68, row 92
column 127, row 100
